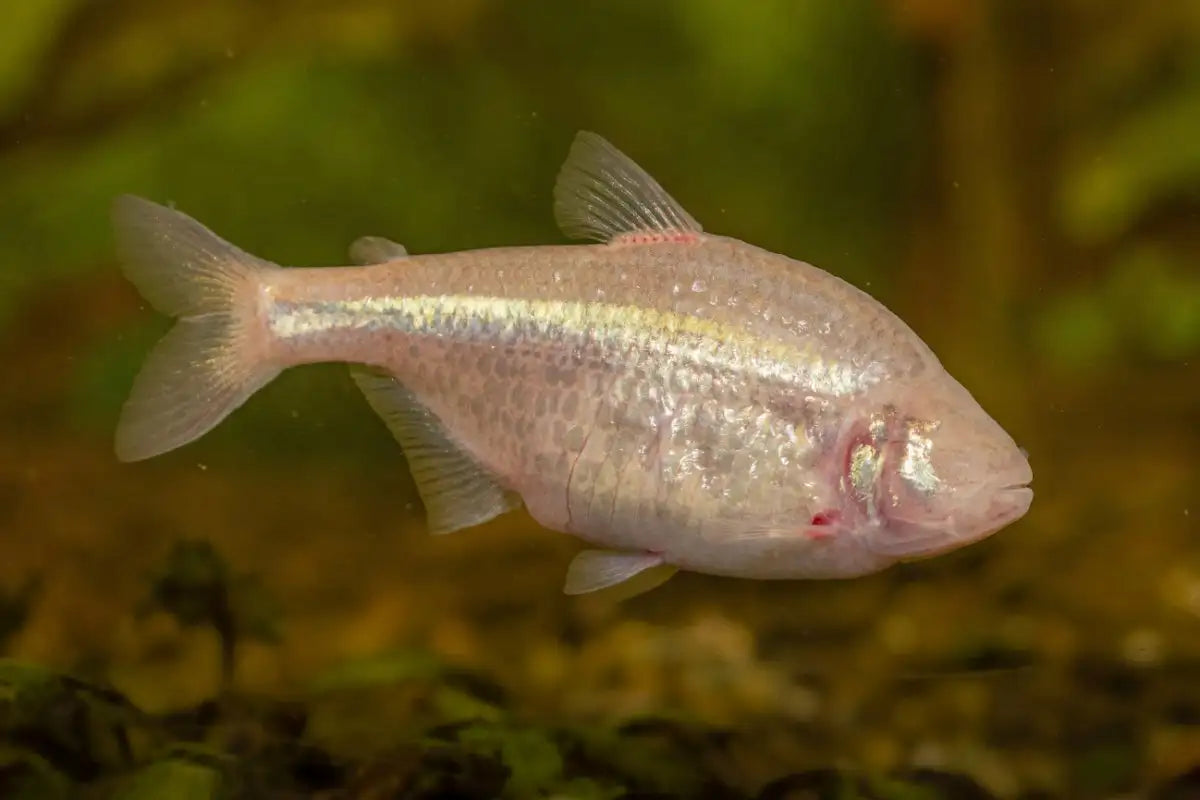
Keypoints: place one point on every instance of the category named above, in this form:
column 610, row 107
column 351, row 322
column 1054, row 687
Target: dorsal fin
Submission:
column 456, row 490
column 601, row 194
column 375, row 250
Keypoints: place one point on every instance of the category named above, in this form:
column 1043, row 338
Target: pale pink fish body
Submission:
column 680, row 400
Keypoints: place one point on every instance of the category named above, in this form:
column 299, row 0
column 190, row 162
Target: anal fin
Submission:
column 457, row 491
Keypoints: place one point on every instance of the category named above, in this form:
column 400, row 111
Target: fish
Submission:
column 675, row 399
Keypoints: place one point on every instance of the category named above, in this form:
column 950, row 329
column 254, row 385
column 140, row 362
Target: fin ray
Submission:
column 456, row 490
column 602, row 194
column 180, row 266
column 207, row 365
column 594, row 570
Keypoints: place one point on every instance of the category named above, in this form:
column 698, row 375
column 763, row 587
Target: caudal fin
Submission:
column 213, row 359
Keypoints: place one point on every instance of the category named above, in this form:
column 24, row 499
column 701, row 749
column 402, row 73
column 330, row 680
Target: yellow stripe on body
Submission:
column 687, row 337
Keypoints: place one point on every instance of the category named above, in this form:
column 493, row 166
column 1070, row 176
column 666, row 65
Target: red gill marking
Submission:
column 821, row 524
column 824, row 518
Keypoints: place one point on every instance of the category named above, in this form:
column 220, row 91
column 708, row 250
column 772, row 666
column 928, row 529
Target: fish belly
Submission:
column 624, row 450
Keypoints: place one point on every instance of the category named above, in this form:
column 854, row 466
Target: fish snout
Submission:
column 1009, row 503
column 1012, row 495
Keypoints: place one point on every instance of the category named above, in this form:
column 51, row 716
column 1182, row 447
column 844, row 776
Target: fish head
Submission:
column 930, row 471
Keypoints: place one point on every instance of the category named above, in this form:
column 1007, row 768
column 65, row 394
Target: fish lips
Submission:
column 910, row 539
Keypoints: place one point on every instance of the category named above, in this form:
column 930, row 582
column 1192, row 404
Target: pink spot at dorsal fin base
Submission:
column 656, row 237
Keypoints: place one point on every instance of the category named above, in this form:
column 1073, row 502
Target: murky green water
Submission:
column 261, row 614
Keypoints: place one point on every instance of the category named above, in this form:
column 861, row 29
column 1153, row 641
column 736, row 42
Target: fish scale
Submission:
column 680, row 400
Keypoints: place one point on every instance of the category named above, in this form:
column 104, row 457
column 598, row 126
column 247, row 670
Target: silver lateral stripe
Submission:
column 620, row 328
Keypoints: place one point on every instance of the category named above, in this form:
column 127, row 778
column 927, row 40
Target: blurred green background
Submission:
column 1019, row 180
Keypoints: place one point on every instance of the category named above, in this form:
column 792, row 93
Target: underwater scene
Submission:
column 685, row 399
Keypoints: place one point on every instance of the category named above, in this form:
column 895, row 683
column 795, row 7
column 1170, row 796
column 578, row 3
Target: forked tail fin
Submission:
column 215, row 356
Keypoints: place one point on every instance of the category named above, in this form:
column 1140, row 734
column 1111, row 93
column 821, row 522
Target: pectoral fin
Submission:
column 457, row 491
column 593, row 570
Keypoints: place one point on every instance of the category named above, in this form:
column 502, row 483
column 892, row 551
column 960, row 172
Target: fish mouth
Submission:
column 1010, row 502
column 910, row 540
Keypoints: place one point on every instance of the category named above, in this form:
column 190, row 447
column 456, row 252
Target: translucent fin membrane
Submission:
column 205, row 366
column 601, row 194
